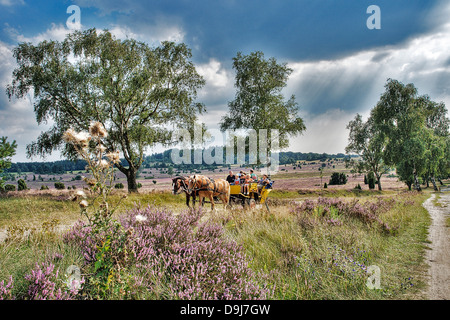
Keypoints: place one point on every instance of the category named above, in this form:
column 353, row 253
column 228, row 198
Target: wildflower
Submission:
column 96, row 129
column 90, row 182
column 113, row 157
column 102, row 164
column 69, row 135
column 83, row 204
column 101, row 148
column 80, row 193
column 82, row 138
column 140, row 218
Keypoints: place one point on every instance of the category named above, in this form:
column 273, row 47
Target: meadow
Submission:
column 315, row 243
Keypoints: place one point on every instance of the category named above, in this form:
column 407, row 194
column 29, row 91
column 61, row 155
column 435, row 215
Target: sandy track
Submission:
column 438, row 257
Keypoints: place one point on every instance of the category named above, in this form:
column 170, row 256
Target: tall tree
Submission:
column 259, row 103
column 412, row 124
column 367, row 141
column 7, row 150
column 140, row 94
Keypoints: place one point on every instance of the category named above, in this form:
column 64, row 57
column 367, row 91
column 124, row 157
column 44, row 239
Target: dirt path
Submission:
column 439, row 256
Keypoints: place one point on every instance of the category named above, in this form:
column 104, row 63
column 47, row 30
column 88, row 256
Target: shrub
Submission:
column 43, row 284
column 21, row 185
column 358, row 187
column 338, row 178
column 10, row 187
column 325, row 185
column 59, row 185
column 119, row 185
column 44, row 187
column 174, row 253
column 371, row 180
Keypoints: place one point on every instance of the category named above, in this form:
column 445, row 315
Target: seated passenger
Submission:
column 253, row 176
column 231, row 178
column 263, row 182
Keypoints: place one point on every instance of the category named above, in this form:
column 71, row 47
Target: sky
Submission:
column 340, row 65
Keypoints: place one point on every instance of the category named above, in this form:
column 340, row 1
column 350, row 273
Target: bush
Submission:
column 371, row 180
column 325, row 186
column 119, row 185
column 338, row 178
column 44, row 187
column 358, row 187
column 21, row 185
column 10, row 187
column 59, row 186
column 173, row 256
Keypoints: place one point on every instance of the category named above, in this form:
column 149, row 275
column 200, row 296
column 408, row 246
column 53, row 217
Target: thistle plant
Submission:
column 102, row 228
column 90, row 147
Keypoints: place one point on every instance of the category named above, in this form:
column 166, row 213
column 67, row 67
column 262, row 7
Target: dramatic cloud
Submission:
column 339, row 66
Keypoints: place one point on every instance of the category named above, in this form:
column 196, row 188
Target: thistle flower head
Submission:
column 96, row 129
column 80, row 193
column 102, row 164
column 83, row 204
column 114, row 157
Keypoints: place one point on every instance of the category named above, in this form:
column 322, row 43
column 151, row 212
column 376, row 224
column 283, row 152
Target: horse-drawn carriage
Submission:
column 253, row 197
column 220, row 191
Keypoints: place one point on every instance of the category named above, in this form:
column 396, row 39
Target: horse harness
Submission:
column 205, row 186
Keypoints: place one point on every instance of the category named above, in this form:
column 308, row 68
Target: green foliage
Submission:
column 368, row 141
column 21, row 185
column 412, row 124
column 10, row 187
column 338, row 178
column 371, row 180
column 44, row 187
column 59, row 185
column 7, row 150
column 259, row 103
column 136, row 88
column 119, row 185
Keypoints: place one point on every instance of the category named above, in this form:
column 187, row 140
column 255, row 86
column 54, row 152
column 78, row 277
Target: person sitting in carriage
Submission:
column 231, row 178
column 264, row 181
column 253, row 176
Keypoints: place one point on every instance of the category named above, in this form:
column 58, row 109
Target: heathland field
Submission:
column 315, row 243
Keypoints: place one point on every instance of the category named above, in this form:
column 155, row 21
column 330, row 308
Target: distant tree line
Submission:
column 158, row 160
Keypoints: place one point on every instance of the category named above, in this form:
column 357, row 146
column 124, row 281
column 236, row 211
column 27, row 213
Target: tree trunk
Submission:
column 378, row 182
column 131, row 180
column 434, row 184
column 416, row 182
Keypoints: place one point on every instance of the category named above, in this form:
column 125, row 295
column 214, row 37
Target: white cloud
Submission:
column 154, row 35
column 56, row 32
column 10, row 3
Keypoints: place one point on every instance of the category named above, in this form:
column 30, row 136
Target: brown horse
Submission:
column 206, row 187
column 180, row 184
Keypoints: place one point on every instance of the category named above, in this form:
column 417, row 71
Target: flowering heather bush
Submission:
column 199, row 264
column 327, row 207
column 190, row 260
column 43, row 284
column 6, row 290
